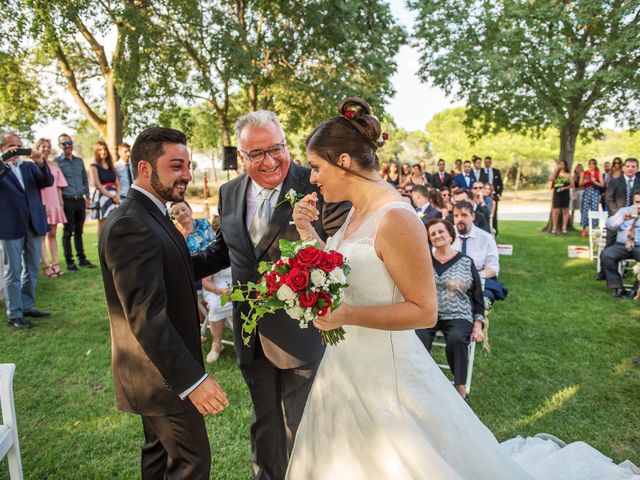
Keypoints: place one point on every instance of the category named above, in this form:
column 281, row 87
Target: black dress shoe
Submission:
column 620, row 292
column 600, row 276
column 35, row 313
column 72, row 267
column 86, row 264
column 19, row 323
column 632, row 293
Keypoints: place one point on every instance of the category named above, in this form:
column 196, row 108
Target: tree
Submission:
column 79, row 36
column 527, row 65
column 296, row 58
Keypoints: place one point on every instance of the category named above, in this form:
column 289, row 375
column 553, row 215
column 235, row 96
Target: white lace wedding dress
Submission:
column 380, row 408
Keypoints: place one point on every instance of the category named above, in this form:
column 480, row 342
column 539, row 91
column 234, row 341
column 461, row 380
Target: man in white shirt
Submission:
column 474, row 242
column 123, row 169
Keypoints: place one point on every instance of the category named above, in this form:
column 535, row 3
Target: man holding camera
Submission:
column 627, row 245
column 76, row 201
column 22, row 224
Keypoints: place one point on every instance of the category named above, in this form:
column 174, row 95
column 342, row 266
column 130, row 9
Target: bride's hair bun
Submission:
column 355, row 132
column 358, row 112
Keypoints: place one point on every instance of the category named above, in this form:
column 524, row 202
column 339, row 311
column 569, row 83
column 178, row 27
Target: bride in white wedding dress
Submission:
column 380, row 408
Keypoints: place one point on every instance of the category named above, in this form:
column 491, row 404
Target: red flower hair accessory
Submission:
column 351, row 111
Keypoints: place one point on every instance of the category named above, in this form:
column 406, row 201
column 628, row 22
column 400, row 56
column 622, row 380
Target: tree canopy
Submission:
column 526, row 65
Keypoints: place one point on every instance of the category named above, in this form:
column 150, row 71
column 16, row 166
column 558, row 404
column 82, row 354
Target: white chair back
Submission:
column 9, row 444
column 597, row 235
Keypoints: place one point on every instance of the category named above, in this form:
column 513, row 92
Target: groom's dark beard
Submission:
column 462, row 228
column 166, row 192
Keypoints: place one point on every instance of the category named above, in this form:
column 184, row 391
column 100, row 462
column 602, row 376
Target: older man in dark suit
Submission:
column 280, row 362
column 23, row 222
column 157, row 361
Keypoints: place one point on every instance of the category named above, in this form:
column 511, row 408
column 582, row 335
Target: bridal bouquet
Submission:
column 306, row 282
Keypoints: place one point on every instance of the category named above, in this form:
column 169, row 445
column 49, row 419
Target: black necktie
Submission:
column 464, row 245
column 129, row 174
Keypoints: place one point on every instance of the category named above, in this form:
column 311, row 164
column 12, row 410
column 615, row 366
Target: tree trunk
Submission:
column 114, row 117
column 568, row 138
column 517, row 182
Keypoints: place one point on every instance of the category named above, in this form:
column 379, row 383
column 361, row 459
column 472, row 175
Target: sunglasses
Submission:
column 66, row 144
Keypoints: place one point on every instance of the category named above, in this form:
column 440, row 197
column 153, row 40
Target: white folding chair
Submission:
column 597, row 235
column 440, row 342
column 9, row 445
column 625, row 268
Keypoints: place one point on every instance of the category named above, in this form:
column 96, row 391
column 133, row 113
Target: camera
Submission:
column 16, row 153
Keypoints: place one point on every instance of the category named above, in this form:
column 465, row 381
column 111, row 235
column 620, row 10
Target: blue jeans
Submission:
column 21, row 265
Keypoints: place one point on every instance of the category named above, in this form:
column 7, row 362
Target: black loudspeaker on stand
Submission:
column 229, row 158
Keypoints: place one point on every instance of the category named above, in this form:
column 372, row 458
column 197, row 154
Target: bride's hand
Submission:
column 305, row 212
column 333, row 320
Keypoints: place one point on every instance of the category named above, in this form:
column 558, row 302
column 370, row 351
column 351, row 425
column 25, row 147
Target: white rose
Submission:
column 295, row 312
column 318, row 277
column 337, row 276
column 285, row 293
column 308, row 315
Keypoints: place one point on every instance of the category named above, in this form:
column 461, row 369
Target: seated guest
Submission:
column 460, row 302
column 481, row 205
column 441, row 178
column 22, row 224
column 490, row 203
column 627, row 246
column 480, row 219
column 198, row 234
column 436, row 199
column 420, row 197
column 481, row 247
column 417, row 177
column 457, row 168
column 465, row 179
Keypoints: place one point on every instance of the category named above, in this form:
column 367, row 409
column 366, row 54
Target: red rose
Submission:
column 293, row 263
column 338, row 258
column 297, row 279
column 272, row 284
column 328, row 262
column 307, row 299
column 349, row 114
column 385, row 136
column 308, row 257
column 327, row 298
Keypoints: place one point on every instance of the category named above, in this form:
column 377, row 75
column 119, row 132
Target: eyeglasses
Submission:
column 66, row 144
column 257, row 156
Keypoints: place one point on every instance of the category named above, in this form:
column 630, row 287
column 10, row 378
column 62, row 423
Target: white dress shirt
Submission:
column 162, row 207
column 253, row 201
column 124, row 170
column 15, row 168
column 482, row 249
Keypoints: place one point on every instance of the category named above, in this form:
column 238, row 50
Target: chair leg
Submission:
column 15, row 465
column 472, row 353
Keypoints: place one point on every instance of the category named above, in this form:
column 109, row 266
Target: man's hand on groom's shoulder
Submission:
column 208, row 397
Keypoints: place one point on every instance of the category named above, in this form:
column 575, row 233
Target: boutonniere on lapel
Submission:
column 422, row 215
column 292, row 197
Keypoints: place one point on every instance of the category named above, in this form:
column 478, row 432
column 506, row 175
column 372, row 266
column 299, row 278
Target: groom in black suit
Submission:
column 151, row 296
column 280, row 362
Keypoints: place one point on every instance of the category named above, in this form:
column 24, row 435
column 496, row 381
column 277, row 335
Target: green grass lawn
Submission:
column 561, row 362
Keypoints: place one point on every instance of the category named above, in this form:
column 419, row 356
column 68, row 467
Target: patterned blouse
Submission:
column 459, row 289
column 201, row 236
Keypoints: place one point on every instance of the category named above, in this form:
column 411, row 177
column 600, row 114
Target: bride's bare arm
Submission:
column 403, row 247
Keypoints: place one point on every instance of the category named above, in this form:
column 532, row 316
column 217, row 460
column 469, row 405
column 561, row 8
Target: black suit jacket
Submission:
column 284, row 343
column 616, row 194
column 151, row 297
column 435, row 180
column 498, row 186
